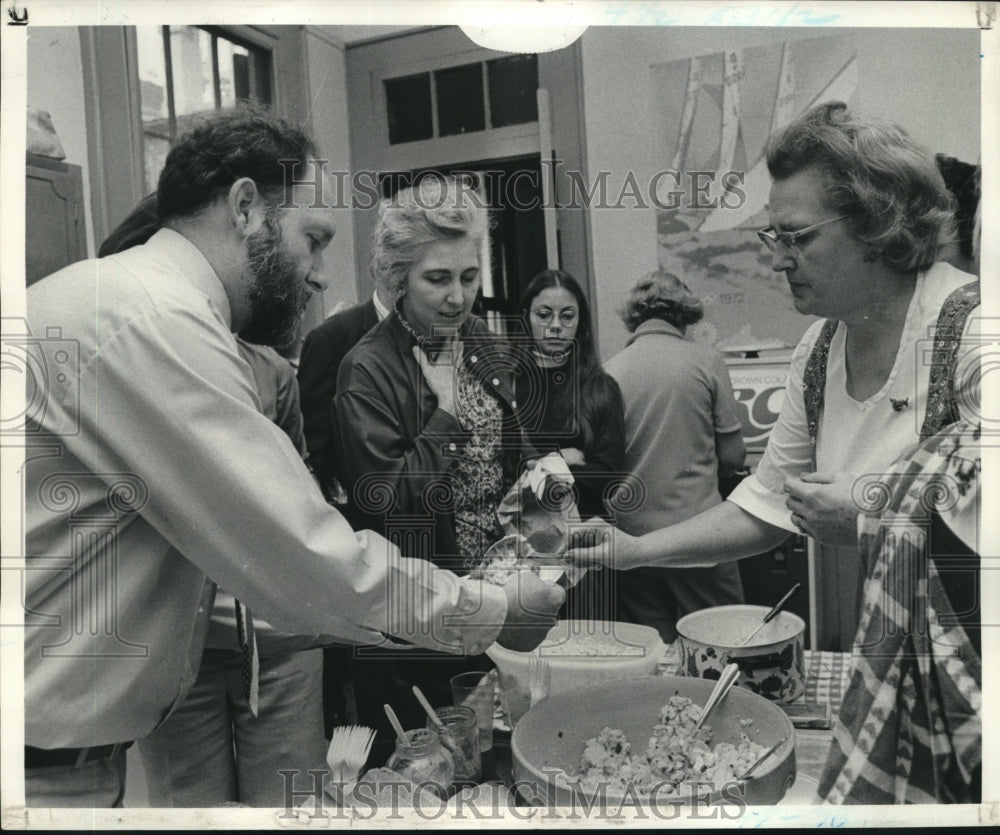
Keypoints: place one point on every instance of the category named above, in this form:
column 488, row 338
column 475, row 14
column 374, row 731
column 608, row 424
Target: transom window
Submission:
column 463, row 99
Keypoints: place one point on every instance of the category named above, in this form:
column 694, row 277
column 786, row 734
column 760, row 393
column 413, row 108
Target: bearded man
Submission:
column 219, row 747
column 152, row 474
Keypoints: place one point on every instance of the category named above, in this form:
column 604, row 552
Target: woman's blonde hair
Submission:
column 435, row 209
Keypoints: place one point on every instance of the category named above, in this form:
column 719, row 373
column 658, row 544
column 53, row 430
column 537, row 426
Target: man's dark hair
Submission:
column 962, row 180
column 135, row 230
column 207, row 160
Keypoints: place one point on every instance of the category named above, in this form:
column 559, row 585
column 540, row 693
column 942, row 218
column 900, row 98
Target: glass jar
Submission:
column 422, row 759
column 461, row 734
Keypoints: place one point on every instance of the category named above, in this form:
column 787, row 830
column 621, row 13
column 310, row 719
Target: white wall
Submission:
column 926, row 80
column 55, row 84
column 326, row 71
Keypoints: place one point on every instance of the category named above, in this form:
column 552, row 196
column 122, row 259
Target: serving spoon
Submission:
column 773, row 613
column 722, row 686
column 762, row 757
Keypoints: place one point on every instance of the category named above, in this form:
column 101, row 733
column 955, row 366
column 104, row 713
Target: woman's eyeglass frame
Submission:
column 567, row 321
column 771, row 237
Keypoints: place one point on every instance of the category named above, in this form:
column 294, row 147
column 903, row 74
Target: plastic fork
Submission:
column 539, row 677
column 722, row 686
column 349, row 748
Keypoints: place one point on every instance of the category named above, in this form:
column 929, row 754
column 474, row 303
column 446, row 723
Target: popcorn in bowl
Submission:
column 505, row 558
column 676, row 756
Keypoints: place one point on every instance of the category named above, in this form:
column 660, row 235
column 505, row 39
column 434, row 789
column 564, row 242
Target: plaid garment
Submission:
column 910, row 727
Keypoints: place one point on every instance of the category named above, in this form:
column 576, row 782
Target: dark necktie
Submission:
column 250, row 667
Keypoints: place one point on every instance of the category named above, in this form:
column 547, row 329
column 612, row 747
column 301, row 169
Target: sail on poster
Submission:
column 714, row 114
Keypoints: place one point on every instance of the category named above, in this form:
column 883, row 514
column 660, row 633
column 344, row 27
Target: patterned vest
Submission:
column 942, row 408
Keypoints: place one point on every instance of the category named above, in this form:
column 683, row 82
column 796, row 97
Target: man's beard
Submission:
column 278, row 294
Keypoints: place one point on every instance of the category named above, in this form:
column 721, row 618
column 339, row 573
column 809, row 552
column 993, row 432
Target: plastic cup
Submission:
column 475, row 690
column 515, row 697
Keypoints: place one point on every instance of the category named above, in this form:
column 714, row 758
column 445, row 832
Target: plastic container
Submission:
column 772, row 664
column 581, row 653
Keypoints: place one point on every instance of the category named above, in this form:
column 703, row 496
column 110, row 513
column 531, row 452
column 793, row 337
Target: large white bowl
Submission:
column 552, row 734
column 623, row 650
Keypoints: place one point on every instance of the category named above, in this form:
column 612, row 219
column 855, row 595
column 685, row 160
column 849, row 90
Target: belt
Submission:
column 43, row 757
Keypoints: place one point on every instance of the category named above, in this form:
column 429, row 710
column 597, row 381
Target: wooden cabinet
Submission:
column 55, row 228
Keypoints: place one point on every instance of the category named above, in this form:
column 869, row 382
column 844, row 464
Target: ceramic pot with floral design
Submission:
column 771, row 664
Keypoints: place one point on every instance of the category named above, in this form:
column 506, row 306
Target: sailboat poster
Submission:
column 714, row 115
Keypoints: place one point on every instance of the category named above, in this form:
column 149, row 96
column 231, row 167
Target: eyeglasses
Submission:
column 567, row 318
column 772, row 237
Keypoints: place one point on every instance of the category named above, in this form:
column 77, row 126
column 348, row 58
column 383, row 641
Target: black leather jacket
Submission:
column 396, row 449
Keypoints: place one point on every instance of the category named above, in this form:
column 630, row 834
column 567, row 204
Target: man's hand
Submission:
column 595, row 542
column 532, row 605
column 823, row 507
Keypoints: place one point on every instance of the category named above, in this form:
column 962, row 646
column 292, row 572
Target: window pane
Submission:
column 513, row 83
column 234, row 73
column 153, row 99
column 259, row 69
column 191, row 60
column 408, row 102
column 244, row 74
column 152, row 72
column 241, row 75
column 460, row 104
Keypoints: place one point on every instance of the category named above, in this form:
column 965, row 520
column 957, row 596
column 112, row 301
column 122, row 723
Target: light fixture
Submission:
column 523, row 38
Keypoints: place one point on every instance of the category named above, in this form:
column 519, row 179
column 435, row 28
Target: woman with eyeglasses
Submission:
column 858, row 215
column 568, row 404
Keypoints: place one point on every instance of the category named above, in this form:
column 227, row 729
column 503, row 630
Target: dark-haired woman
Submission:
column 682, row 432
column 569, row 405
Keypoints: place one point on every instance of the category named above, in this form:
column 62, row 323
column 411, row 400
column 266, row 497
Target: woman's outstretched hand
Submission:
column 596, row 542
column 441, row 373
